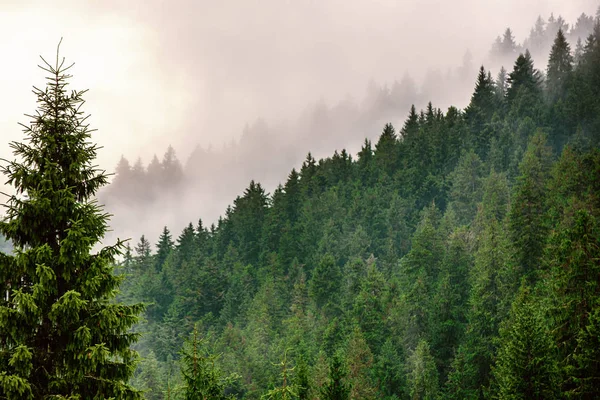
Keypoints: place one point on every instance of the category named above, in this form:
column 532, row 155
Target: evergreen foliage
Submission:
column 454, row 259
column 400, row 269
column 61, row 333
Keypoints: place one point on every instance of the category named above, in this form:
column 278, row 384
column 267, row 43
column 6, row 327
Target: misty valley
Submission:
column 450, row 254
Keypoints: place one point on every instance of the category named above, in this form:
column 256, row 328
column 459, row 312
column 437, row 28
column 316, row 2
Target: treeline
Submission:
column 138, row 189
column 541, row 37
column 456, row 258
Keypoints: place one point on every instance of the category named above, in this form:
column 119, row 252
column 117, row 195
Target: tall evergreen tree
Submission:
column 202, row 379
column 61, row 333
column 573, row 253
column 163, row 249
column 423, row 375
column 336, row 387
column 525, row 81
column 527, row 220
column 526, row 366
column 480, row 110
column 411, row 125
column 385, row 150
column 560, row 65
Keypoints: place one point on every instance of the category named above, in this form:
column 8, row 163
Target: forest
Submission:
column 455, row 257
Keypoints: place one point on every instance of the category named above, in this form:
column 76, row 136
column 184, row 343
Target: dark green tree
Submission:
column 466, row 187
column 336, row 387
column 524, row 93
column 480, row 110
column 527, row 215
column 288, row 389
column 411, row 125
column 385, row 150
column 163, row 249
column 560, row 66
column 61, row 333
column 325, row 283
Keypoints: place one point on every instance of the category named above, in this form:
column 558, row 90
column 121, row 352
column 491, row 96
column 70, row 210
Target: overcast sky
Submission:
column 194, row 72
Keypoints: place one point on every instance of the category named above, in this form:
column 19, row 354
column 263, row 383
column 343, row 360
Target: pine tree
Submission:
column 336, row 387
column 61, row 333
column 578, row 52
column 574, row 252
column 527, row 224
column 526, row 366
column 501, row 86
column 509, row 47
column 480, row 110
column 288, row 389
column 389, row 372
column 202, row 379
column 411, row 125
column 163, row 249
column 149, row 378
column 423, row 375
column 359, row 360
column 385, row 150
column 523, row 76
column 302, row 378
column 560, row 65
column 466, row 186
column 325, row 283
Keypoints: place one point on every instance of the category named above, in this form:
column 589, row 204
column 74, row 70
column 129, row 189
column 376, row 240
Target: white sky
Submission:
column 194, row 72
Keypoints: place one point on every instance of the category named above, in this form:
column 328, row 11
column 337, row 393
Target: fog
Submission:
column 270, row 80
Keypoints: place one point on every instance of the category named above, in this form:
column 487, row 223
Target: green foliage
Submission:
column 62, row 335
column 336, row 387
column 324, row 285
column 288, row 389
column 423, row 376
column 400, row 268
column 466, row 186
column 526, row 366
column 560, row 66
column 527, row 222
column 202, row 379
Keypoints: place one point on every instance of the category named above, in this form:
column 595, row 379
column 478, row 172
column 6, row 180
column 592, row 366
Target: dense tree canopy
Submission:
column 396, row 274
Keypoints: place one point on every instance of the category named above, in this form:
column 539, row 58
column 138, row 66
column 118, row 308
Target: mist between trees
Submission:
column 455, row 257
column 206, row 182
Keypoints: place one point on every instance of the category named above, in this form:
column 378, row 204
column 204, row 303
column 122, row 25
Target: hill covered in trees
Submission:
column 455, row 257
column 206, row 181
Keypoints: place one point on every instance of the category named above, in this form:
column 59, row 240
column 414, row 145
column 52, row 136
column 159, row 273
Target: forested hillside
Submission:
column 453, row 255
column 456, row 257
column 184, row 188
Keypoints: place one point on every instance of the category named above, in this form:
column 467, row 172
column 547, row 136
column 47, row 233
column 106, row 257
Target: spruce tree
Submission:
column 385, row 150
column 61, row 333
column 560, row 65
column 411, row 125
column 527, row 214
column 336, row 388
column 423, row 375
column 526, row 366
column 523, row 77
column 202, row 379
column 480, row 110
column 163, row 249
